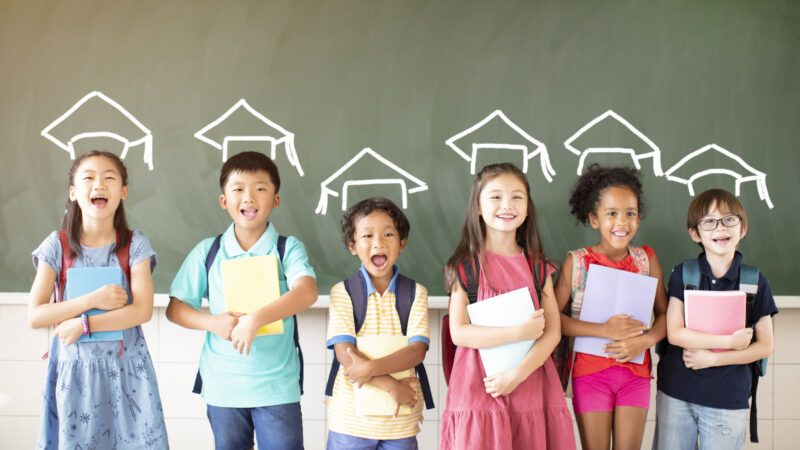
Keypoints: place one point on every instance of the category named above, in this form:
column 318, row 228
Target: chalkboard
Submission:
column 410, row 94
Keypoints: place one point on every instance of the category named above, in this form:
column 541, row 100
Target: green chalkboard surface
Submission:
column 698, row 93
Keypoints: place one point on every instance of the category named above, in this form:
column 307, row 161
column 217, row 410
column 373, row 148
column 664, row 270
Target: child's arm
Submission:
column 186, row 316
column 680, row 336
column 401, row 390
column 761, row 348
column 626, row 350
column 42, row 313
column 465, row 334
column 299, row 298
column 418, row 336
column 504, row 383
column 361, row 369
column 139, row 311
column 616, row 328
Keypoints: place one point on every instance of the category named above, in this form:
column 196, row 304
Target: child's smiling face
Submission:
column 98, row 188
column 616, row 218
column 722, row 240
column 504, row 204
column 249, row 198
column 377, row 244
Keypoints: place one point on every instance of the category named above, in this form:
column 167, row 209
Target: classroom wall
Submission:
column 175, row 352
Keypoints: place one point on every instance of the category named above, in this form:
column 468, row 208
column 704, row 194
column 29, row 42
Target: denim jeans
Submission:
column 686, row 426
column 278, row 427
column 339, row 441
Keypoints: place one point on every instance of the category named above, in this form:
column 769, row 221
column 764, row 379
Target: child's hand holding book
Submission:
column 621, row 327
column 108, row 297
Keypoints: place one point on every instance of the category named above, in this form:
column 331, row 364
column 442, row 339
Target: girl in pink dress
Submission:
column 523, row 408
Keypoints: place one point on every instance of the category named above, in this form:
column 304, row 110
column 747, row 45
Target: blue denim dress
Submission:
column 95, row 398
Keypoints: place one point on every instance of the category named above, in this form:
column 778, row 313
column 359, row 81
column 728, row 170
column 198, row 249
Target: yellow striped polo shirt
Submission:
column 381, row 319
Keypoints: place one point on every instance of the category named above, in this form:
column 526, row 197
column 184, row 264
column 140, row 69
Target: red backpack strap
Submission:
column 124, row 257
column 67, row 260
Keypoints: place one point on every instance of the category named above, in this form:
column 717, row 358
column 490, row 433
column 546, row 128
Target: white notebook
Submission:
column 511, row 308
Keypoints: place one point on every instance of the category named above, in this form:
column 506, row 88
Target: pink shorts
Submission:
column 609, row 388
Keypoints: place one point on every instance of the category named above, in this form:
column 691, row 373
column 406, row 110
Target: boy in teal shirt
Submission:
column 250, row 383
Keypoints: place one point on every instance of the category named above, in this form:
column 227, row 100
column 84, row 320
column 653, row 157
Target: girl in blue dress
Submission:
column 98, row 394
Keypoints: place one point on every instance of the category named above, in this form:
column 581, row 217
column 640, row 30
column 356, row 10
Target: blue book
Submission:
column 83, row 280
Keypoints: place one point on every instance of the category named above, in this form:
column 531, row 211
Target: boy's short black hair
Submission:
column 250, row 162
column 368, row 206
column 590, row 185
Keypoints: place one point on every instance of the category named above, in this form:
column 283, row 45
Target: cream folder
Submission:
column 370, row 400
column 249, row 284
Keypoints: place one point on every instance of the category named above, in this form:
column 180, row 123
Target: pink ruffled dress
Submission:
column 534, row 416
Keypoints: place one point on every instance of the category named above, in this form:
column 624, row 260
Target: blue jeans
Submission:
column 278, row 427
column 339, row 441
column 686, row 426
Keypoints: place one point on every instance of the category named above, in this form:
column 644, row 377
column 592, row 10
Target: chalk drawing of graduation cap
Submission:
column 749, row 173
column 530, row 148
column 142, row 136
column 409, row 184
column 653, row 152
column 274, row 134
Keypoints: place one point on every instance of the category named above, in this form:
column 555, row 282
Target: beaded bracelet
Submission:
column 85, row 322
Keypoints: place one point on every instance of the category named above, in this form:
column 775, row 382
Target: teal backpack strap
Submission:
column 748, row 282
column 691, row 274
column 748, row 279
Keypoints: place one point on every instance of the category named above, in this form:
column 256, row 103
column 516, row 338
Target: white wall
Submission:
column 175, row 352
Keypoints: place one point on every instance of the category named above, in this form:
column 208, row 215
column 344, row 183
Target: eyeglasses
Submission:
column 712, row 224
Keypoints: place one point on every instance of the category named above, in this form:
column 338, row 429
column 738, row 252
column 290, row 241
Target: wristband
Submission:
column 85, row 322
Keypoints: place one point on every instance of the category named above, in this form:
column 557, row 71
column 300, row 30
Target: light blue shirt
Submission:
column 270, row 374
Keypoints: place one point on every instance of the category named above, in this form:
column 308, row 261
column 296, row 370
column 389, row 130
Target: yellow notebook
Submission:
column 249, row 284
column 370, row 400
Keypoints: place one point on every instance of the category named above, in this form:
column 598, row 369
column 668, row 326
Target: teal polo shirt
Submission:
column 270, row 374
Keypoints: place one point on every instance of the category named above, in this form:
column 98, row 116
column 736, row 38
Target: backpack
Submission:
column 467, row 276
column 68, row 259
column 748, row 282
column 563, row 356
column 356, row 287
column 210, row 257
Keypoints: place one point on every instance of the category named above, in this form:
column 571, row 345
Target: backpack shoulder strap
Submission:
column 405, row 293
column 748, row 282
column 469, row 271
column 578, row 281
column 210, row 257
column 67, row 259
column 748, row 279
column 640, row 259
column 356, row 287
column 281, row 244
column 539, row 272
column 124, row 257
column 691, row 274
column 212, row 253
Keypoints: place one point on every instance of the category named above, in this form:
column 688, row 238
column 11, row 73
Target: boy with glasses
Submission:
column 702, row 395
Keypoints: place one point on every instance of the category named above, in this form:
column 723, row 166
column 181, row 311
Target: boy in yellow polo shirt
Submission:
column 370, row 304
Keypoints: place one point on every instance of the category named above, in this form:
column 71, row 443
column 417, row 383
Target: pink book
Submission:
column 714, row 312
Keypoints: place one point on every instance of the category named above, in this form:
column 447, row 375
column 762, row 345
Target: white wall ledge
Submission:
column 434, row 302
